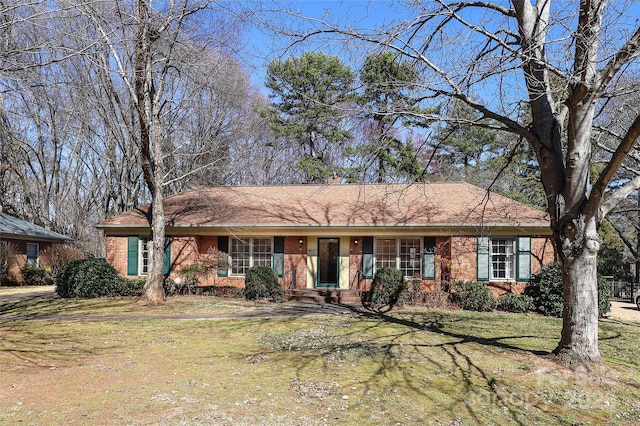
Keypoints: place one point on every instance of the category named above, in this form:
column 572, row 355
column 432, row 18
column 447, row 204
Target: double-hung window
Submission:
column 504, row 259
column 32, row 253
column 386, row 253
column 143, row 256
column 410, row 257
column 138, row 255
column 248, row 252
column 403, row 254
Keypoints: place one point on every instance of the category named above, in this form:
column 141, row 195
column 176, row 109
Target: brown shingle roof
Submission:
column 437, row 204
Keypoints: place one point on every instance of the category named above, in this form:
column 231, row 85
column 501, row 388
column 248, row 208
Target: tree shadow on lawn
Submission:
column 25, row 344
column 480, row 387
column 47, row 308
column 453, row 377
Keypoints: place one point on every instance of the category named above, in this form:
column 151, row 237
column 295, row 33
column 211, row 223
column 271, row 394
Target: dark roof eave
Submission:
column 33, row 237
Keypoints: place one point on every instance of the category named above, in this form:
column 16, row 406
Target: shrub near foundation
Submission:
column 545, row 288
column 261, row 282
column 472, row 296
column 388, row 288
column 35, row 275
column 90, row 278
column 517, row 303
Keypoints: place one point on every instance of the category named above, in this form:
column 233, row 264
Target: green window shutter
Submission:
column 367, row 257
column 483, row 259
column 429, row 258
column 132, row 255
column 524, row 258
column 278, row 255
column 166, row 266
column 223, row 246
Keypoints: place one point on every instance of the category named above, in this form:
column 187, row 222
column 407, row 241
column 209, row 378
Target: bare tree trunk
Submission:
column 579, row 337
column 151, row 156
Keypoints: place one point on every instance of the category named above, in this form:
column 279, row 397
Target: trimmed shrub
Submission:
column 518, row 303
column 387, row 289
column 127, row 287
column 93, row 278
column 262, row 282
column 473, row 296
column 545, row 288
column 34, row 275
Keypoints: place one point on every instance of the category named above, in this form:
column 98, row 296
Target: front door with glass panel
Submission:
column 328, row 258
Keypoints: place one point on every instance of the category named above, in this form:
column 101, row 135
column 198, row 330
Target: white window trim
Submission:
column 398, row 243
column 513, row 262
column 143, row 246
column 251, row 260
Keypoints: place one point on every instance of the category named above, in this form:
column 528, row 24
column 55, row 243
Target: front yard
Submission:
column 112, row 361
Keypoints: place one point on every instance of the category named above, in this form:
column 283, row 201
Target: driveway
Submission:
column 624, row 311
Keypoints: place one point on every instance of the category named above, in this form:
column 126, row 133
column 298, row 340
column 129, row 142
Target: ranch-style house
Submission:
column 337, row 235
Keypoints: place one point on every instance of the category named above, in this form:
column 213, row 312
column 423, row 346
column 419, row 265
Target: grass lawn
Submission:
column 415, row 366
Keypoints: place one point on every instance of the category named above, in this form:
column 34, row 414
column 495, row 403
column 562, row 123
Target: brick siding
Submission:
column 455, row 261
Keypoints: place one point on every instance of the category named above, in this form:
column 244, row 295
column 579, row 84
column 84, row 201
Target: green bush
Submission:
column 604, row 291
column 518, row 303
column 262, row 282
column 127, row 287
column 387, row 289
column 34, row 275
column 93, row 278
column 545, row 288
column 472, row 296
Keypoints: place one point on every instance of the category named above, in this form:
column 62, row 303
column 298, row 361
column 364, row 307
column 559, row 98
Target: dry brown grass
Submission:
column 405, row 367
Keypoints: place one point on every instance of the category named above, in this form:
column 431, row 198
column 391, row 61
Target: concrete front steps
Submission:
column 323, row 295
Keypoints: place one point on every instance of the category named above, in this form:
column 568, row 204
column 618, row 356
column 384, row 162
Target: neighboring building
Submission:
column 319, row 236
column 28, row 239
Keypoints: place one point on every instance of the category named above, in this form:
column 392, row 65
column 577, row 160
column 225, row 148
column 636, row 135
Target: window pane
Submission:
column 502, row 258
column 239, row 256
column 385, row 253
column 32, row 254
column 410, row 257
column 262, row 252
column 144, row 256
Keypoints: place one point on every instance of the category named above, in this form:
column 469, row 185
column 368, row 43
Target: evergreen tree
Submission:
column 387, row 99
column 309, row 94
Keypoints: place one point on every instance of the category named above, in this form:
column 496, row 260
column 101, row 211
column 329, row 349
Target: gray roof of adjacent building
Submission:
column 13, row 228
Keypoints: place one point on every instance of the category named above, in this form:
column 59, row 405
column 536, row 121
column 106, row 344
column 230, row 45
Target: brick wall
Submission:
column 295, row 262
column 20, row 259
column 455, row 261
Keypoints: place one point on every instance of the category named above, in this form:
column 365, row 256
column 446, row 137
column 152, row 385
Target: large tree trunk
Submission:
column 154, row 290
column 150, row 155
column 578, row 253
